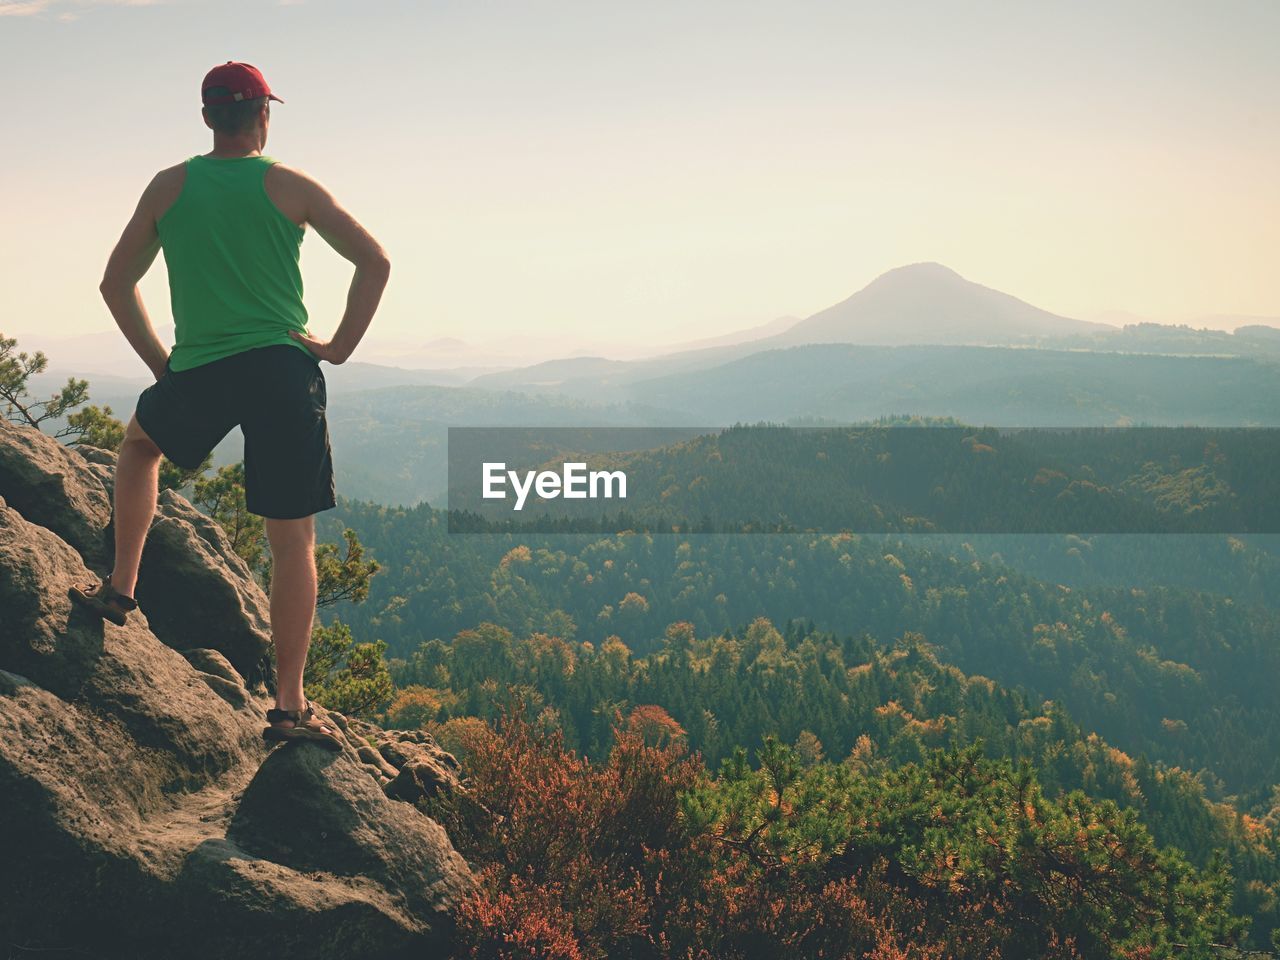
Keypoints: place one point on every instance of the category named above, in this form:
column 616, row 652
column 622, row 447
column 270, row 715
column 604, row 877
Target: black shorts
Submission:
column 277, row 396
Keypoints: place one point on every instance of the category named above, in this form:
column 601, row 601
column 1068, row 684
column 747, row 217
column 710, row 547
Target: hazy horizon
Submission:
column 105, row 352
column 628, row 178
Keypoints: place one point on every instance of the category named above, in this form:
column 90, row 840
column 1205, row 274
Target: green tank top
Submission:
column 232, row 257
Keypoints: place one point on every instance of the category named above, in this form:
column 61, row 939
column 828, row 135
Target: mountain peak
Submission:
column 924, row 270
column 929, row 303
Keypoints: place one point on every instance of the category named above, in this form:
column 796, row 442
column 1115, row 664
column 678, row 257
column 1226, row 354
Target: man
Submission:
column 230, row 223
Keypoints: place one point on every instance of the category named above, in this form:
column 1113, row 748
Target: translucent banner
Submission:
column 864, row 479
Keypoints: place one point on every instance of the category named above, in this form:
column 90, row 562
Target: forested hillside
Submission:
column 1179, row 675
column 646, row 854
column 906, row 476
column 389, row 443
column 1247, row 569
column 873, row 707
column 951, row 746
column 1002, row 386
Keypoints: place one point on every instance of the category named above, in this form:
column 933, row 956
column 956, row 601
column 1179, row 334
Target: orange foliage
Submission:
column 460, row 735
column 633, row 603
column 582, row 860
column 535, row 926
column 520, row 554
column 415, row 706
column 653, row 725
column 568, row 843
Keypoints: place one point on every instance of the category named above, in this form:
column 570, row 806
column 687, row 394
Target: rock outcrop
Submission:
column 141, row 814
column 54, row 487
column 198, row 593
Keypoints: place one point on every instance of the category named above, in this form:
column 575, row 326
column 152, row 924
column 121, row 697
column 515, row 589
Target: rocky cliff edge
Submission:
column 141, row 814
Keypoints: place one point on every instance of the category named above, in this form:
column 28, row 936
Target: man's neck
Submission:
column 228, row 148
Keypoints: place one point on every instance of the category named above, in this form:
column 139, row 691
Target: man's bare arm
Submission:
column 354, row 243
column 133, row 255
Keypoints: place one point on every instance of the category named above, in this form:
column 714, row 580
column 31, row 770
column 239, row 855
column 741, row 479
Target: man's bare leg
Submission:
column 293, row 603
column 136, row 488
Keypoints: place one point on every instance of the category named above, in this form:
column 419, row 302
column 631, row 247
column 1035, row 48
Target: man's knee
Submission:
column 138, row 443
column 289, row 536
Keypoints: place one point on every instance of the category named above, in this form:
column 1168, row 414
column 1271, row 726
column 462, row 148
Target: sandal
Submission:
column 307, row 725
column 104, row 600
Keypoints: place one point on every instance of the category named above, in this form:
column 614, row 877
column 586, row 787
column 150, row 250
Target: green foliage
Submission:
column 346, row 676
column 880, row 707
column 174, row 477
column 340, row 673
column 222, row 497
column 95, row 427
column 1123, row 661
column 979, row 845
column 339, row 577
column 1244, row 568
column 643, row 854
column 391, row 450
column 16, row 370
column 413, row 708
column 882, row 478
column 343, row 578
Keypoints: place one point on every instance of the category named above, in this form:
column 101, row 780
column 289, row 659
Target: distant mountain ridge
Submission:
column 733, row 338
column 928, row 303
column 921, row 304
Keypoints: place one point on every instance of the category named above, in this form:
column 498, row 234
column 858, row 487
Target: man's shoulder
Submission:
column 291, row 177
column 164, row 188
column 295, row 192
column 170, row 176
column 292, row 191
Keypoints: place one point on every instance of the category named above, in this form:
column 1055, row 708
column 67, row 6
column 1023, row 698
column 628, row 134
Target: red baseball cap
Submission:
column 243, row 80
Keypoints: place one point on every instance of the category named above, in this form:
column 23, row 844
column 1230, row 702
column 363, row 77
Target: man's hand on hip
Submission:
column 321, row 349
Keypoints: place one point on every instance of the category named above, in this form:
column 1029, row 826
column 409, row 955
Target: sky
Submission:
column 604, row 174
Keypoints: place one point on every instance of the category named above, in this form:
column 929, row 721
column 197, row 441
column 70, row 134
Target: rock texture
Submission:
column 142, row 815
column 198, row 593
column 53, row 486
